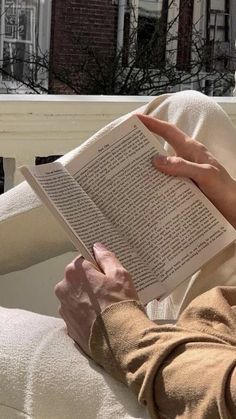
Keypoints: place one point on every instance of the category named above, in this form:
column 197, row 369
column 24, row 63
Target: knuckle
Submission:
column 86, row 270
column 108, row 254
column 211, row 170
column 201, row 147
column 196, row 151
column 208, row 175
column 62, row 290
column 120, row 272
column 69, row 271
column 86, row 265
column 77, row 259
column 59, row 289
column 213, row 161
column 178, row 161
column 175, row 164
column 68, row 268
column 73, row 269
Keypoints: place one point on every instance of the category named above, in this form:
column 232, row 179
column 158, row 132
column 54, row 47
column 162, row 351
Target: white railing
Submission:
column 44, row 125
column 33, row 126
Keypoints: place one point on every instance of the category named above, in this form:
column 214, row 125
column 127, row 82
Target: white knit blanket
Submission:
column 43, row 374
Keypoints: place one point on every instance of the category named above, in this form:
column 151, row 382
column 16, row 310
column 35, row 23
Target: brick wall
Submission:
column 76, row 26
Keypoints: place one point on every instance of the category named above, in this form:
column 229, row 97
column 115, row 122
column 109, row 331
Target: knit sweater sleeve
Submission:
column 181, row 371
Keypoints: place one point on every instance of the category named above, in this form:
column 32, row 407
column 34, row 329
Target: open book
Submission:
column 162, row 228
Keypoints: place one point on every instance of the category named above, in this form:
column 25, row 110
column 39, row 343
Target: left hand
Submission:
column 85, row 292
column 193, row 160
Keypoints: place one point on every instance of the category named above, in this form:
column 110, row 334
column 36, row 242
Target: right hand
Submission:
column 85, row 291
column 194, row 161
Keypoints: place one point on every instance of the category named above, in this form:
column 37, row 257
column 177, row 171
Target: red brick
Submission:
column 76, row 23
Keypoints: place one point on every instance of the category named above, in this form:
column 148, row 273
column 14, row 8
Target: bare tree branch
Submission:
column 150, row 68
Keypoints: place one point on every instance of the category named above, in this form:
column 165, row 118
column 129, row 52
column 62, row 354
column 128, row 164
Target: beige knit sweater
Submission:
column 182, row 371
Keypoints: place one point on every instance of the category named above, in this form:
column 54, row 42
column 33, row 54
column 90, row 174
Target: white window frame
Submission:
column 44, row 30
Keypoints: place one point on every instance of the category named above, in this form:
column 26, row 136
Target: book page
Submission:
column 172, row 227
column 84, row 223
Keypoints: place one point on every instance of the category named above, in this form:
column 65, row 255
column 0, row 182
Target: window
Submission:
column 145, row 29
column 24, row 42
column 185, row 34
column 217, row 33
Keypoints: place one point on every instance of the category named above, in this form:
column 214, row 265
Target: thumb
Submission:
column 106, row 260
column 177, row 166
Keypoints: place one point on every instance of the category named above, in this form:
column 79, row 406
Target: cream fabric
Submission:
column 42, row 374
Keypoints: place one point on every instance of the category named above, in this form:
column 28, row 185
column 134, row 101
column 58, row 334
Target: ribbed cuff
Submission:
column 115, row 333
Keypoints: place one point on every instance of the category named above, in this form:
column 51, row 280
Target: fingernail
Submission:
column 99, row 246
column 160, row 159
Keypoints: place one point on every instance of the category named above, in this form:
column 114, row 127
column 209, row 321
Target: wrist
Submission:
column 113, row 335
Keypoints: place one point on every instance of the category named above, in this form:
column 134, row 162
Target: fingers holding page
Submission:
column 106, row 260
column 85, row 292
column 202, row 174
column 195, row 162
column 118, row 280
column 183, row 145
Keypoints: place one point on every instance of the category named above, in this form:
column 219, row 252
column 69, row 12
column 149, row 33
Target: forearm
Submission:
column 130, row 347
column 171, row 369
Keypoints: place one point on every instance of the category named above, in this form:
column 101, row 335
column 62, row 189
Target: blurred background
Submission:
column 117, row 47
